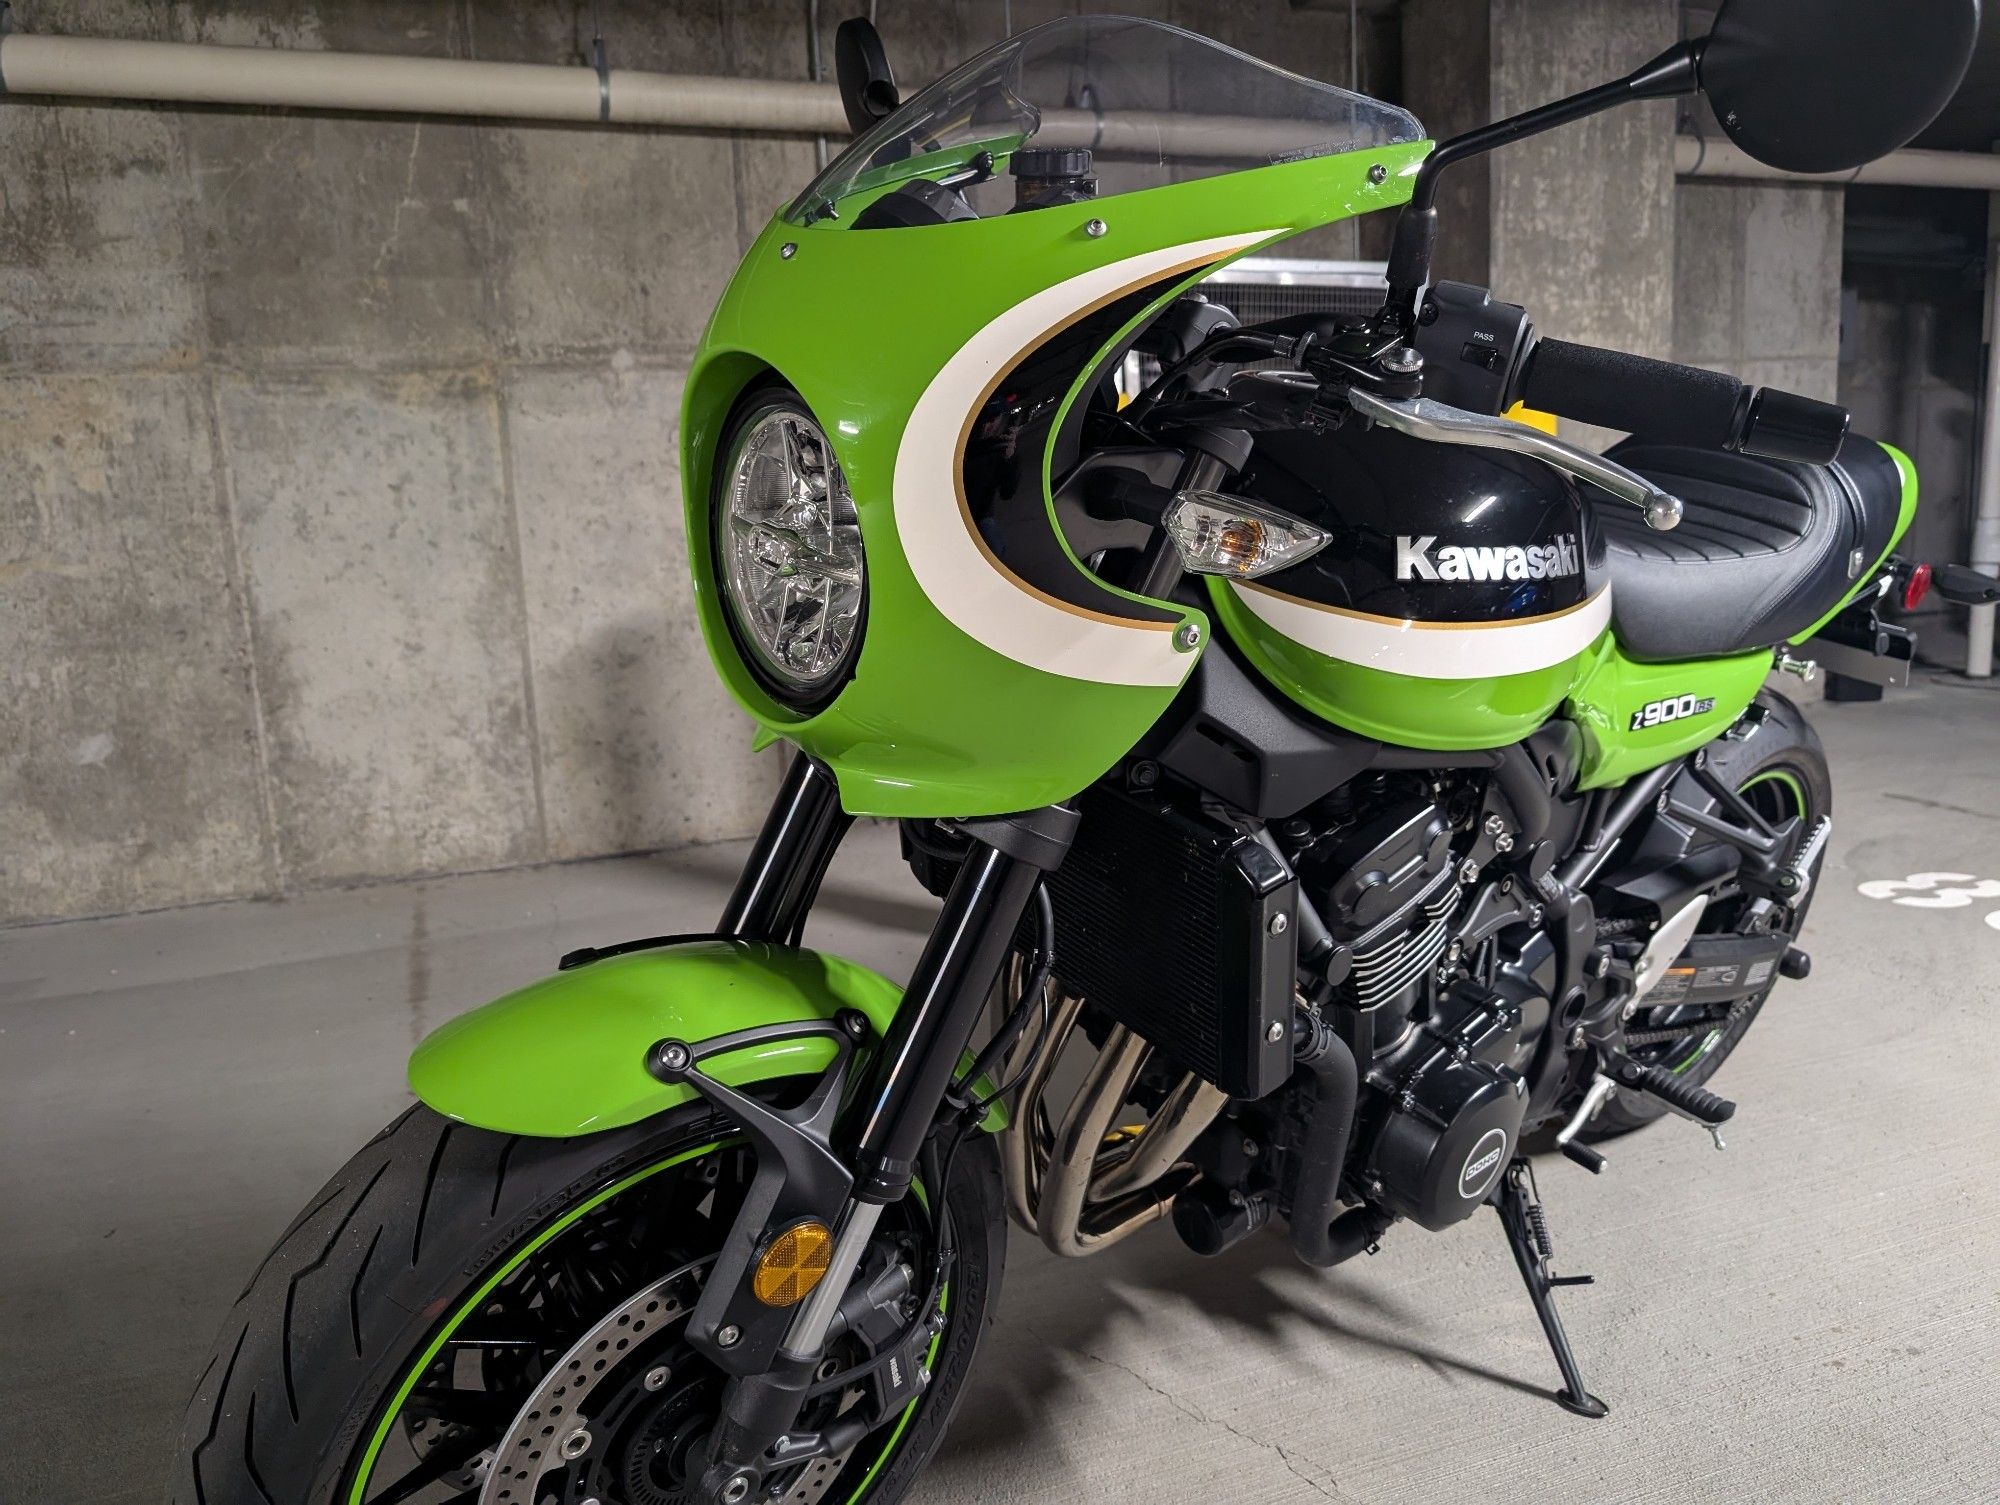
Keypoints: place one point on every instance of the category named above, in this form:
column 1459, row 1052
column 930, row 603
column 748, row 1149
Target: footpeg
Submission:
column 1684, row 1097
column 1795, row 881
column 1584, row 1156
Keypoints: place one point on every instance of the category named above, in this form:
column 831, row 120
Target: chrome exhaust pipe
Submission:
column 1084, row 1184
column 1025, row 1143
column 1059, row 1213
column 1190, row 1108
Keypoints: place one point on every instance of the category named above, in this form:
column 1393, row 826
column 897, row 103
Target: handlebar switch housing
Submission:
column 1471, row 344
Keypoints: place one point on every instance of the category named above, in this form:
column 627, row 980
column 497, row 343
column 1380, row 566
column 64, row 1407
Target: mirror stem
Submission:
column 1673, row 73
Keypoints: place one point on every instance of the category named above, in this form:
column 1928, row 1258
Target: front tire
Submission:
column 419, row 1296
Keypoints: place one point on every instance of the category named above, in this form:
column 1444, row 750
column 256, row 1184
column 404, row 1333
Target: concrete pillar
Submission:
column 1577, row 224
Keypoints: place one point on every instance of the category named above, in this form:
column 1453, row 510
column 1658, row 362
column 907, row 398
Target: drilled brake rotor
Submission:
column 560, row 1424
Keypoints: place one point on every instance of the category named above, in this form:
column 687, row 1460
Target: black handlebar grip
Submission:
column 1678, row 404
column 1656, row 399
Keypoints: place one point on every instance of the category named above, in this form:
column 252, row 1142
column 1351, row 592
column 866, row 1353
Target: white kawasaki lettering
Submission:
column 1485, row 561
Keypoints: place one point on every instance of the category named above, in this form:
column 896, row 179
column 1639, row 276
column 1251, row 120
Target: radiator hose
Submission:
column 1316, row 1236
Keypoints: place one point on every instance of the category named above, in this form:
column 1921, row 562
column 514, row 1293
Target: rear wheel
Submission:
column 1781, row 772
column 464, row 1316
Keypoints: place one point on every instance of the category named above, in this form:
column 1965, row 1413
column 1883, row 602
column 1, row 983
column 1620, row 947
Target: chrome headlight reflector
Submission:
column 788, row 543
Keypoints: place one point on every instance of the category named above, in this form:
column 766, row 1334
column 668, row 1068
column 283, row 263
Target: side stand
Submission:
column 1528, row 1236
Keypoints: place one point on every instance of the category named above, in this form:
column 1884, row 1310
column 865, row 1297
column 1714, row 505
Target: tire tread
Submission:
column 335, row 1345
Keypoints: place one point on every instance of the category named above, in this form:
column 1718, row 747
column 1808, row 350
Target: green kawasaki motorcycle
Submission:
column 1365, row 783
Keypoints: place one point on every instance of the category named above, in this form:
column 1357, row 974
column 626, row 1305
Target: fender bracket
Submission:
column 568, row 1055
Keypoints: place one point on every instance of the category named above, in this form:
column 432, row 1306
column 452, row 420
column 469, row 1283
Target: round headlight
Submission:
column 788, row 546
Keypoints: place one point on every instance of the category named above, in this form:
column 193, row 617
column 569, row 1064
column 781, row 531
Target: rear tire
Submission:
column 1783, row 759
column 385, row 1260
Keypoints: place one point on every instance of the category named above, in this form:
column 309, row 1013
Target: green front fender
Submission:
column 567, row 1055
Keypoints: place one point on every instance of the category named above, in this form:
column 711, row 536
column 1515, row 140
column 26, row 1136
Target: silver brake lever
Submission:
column 1424, row 418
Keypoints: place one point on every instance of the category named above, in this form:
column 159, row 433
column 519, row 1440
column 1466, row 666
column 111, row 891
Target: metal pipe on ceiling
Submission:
column 278, row 78
column 1700, row 157
column 200, row 73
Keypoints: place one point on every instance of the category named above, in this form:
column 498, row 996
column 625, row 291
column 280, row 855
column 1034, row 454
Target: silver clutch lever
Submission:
column 1424, row 418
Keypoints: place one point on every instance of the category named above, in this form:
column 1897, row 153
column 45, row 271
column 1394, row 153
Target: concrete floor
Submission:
column 1813, row 1316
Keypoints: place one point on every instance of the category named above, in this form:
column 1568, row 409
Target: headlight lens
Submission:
column 790, row 554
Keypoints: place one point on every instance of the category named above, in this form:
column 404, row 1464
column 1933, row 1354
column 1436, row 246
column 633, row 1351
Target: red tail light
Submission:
column 1916, row 587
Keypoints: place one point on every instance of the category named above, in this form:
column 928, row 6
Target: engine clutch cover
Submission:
column 1455, row 1120
column 1439, row 1157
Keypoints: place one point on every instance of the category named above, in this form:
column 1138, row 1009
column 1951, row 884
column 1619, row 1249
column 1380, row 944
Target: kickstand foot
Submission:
column 1528, row 1236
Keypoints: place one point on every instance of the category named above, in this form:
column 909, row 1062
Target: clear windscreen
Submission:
column 1091, row 107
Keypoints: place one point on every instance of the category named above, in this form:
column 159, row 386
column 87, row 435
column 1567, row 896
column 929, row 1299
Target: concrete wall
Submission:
column 1757, row 269
column 339, row 519
column 1583, row 216
column 1577, row 224
column 1757, row 283
column 1912, row 364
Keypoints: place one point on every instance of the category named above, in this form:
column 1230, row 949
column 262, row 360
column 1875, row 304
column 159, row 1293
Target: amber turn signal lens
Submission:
column 792, row 1264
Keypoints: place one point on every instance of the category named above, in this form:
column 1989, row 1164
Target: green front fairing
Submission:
column 935, row 722
column 1443, row 715
column 1907, row 469
column 567, row 1055
column 1613, row 688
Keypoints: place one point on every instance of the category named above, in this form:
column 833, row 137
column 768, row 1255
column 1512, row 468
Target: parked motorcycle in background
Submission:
column 1367, row 783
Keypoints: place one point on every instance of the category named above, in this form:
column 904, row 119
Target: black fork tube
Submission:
column 946, row 996
column 783, row 873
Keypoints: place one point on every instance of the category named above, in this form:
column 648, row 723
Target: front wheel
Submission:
column 388, row 1349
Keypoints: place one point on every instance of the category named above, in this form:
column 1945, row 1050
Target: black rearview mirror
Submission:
column 1826, row 85
column 867, row 82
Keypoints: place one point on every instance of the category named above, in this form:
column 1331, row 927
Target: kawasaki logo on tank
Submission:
column 1420, row 559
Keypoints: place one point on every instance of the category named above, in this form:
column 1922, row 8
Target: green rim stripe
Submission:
column 367, row 1469
column 1780, row 776
column 357, row 1494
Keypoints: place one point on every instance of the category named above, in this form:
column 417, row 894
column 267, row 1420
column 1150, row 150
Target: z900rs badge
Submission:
column 1677, row 708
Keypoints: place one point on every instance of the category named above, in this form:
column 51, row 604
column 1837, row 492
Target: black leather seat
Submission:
column 1765, row 548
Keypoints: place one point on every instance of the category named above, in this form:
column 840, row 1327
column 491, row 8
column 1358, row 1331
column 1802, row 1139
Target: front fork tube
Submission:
column 782, row 876
column 906, row 1075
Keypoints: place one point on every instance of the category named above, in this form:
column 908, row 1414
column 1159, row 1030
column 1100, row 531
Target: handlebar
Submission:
column 1440, row 423
column 1679, row 404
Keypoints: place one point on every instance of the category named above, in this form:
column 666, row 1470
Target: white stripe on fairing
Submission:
column 1430, row 651
column 986, row 603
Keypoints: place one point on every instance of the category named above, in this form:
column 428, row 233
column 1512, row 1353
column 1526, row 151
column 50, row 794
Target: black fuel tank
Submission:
column 1429, row 533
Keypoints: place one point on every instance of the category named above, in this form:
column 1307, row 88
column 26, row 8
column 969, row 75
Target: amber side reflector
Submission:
column 792, row 1264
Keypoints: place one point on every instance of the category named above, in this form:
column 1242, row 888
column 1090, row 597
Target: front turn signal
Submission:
column 792, row 1264
column 1219, row 534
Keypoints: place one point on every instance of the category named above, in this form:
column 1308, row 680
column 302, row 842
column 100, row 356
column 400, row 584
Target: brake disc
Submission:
column 552, row 1429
